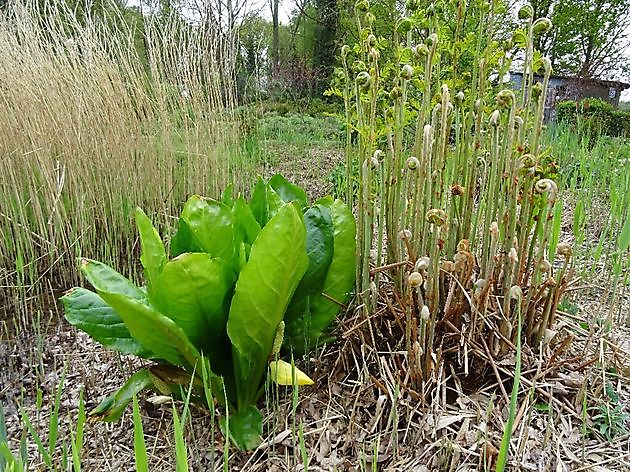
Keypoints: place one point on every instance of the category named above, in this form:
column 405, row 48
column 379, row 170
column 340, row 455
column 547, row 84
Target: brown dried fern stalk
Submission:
column 455, row 197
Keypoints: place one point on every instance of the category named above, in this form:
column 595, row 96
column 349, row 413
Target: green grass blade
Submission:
column 139, row 445
column 181, row 453
column 4, row 439
column 303, row 451
column 624, row 237
column 38, row 441
column 8, row 462
column 53, row 425
column 507, row 434
column 207, row 390
column 555, row 231
column 76, row 439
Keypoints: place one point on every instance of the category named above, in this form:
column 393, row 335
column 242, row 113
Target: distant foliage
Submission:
column 589, row 39
column 595, row 117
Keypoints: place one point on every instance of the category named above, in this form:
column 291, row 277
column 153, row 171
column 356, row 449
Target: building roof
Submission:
column 608, row 83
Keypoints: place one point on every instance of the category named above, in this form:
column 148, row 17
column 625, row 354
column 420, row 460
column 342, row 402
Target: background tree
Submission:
column 589, row 37
column 253, row 62
column 325, row 40
column 275, row 44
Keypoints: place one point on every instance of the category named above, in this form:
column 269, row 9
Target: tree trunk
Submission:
column 585, row 70
column 275, row 42
column 325, row 36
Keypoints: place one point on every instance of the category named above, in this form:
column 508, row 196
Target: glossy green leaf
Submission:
column 210, row 225
column 113, row 406
column 297, row 324
column 104, row 278
column 192, row 291
column 319, row 247
column 287, row 191
column 183, row 240
column 244, row 222
column 227, row 196
column 339, row 280
column 276, row 264
column 274, row 203
column 153, row 256
column 265, row 202
column 243, row 255
column 258, row 202
column 88, row 312
column 245, row 428
column 154, row 331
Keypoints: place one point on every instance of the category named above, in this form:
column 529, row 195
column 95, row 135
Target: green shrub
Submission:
column 594, row 117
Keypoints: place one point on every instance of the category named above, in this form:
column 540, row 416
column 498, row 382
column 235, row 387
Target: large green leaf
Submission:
column 245, row 224
column 319, row 247
column 113, row 406
column 159, row 333
column 104, row 278
column 88, row 312
column 276, row 264
column 210, row 226
column 183, row 240
column 153, row 255
column 274, row 203
column 339, row 280
column 245, row 428
column 287, row 191
column 258, row 202
column 265, row 202
column 191, row 290
column 154, row 331
column 227, row 197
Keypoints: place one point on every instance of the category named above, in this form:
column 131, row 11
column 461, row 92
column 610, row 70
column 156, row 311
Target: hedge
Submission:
column 594, row 116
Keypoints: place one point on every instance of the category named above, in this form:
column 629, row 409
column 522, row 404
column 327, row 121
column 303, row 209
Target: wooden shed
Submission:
column 574, row 88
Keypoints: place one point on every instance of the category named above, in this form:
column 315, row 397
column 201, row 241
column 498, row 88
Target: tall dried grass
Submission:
column 99, row 114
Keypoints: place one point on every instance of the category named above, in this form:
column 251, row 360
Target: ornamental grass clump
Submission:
column 244, row 279
column 104, row 108
column 455, row 195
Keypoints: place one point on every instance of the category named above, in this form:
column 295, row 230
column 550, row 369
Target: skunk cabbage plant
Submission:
column 244, row 279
